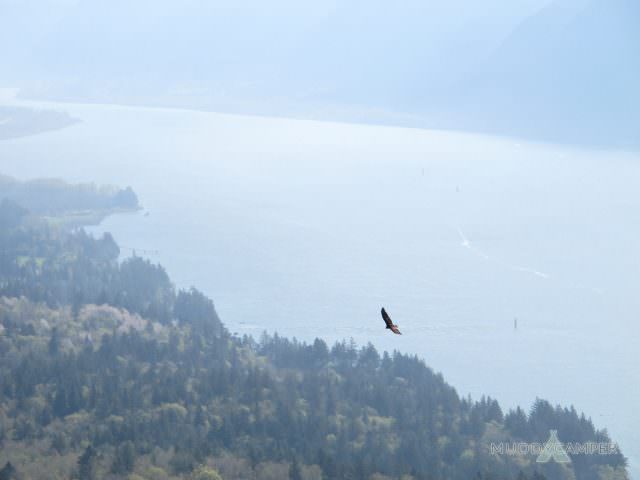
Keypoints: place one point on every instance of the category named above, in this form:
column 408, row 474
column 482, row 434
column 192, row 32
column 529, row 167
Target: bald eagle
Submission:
column 390, row 325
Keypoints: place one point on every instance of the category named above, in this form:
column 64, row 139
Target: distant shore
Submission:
column 87, row 218
column 16, row 122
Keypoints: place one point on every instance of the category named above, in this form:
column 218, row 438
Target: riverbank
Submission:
column 87, row 218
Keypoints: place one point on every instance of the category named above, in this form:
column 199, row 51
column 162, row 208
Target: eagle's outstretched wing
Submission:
column 386, row 318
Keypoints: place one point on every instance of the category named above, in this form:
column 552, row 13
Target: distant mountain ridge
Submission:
column 569, row 73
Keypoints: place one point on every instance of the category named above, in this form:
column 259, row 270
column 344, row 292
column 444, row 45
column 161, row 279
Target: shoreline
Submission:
column 87, row 218
column 346, row 115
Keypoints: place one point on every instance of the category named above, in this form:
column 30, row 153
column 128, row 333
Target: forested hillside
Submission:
column 107, row 371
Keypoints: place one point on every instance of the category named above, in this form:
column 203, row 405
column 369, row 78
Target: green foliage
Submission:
column 295, row 471
column 59, row 268
column 87, row 464
column 150, row 379
column 124, row 458
column 195, row 309
column 204, row 473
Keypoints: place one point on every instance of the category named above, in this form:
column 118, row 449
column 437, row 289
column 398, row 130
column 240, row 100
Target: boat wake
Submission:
column 466, row 243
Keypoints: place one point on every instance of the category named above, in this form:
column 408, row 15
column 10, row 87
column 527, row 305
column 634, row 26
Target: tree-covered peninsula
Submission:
column 108, row 371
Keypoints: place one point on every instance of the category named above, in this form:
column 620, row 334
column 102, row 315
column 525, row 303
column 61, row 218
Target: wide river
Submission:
column 308, row 228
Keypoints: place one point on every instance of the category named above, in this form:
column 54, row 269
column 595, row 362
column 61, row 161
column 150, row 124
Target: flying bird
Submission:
column 390, row 325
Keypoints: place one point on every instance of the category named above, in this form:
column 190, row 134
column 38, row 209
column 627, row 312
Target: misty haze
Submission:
column 205, row 205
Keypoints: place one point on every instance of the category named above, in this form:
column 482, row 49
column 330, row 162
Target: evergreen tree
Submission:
column 87, row 464
column 124, row 459
column 295, row 472
column 204, row 473
column 54, row 341
column 8, row 472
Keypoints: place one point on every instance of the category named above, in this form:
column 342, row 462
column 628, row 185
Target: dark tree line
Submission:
column 54, row 197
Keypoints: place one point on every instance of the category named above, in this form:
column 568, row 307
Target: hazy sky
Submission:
column 63, row 37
